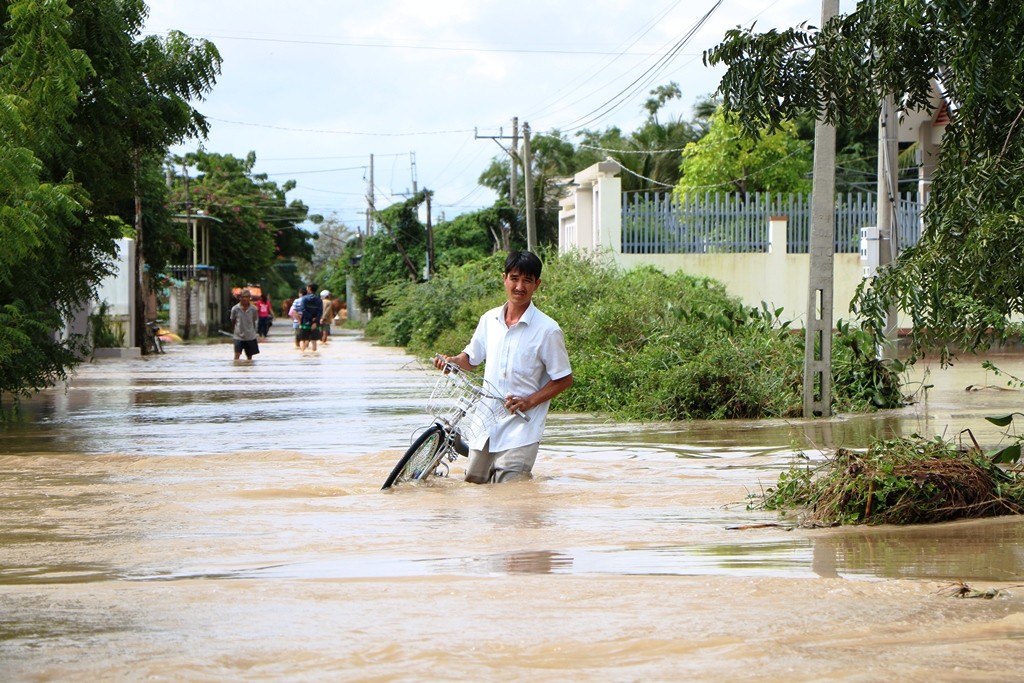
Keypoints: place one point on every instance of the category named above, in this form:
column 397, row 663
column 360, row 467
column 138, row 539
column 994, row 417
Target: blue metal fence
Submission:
column 659, row 223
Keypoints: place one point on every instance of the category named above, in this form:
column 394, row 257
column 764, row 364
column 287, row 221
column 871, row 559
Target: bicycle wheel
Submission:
column 421, row 458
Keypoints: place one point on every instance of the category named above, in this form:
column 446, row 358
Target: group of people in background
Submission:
column 311, row 314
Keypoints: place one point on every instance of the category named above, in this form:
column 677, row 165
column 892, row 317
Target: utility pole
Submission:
column 818, row 332
column 369, row 202
column 138, row 325
column 412, row 162
column 888, row 197
column 513, row 189
column 195, row 258
column 430, row 238
column 531, row 217
column 516, row 158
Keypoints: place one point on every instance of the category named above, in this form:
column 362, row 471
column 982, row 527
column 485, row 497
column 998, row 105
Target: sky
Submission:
column 315, row 87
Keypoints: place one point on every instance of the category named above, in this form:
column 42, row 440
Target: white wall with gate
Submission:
column 590, row 221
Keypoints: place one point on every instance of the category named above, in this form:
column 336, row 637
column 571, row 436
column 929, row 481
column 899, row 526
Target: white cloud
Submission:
column 320, row 84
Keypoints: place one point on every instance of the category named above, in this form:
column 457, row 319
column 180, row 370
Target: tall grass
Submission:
column 644, row 345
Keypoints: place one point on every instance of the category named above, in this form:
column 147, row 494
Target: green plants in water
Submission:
column 896, row 481
column 644, row 344
column 102, row 331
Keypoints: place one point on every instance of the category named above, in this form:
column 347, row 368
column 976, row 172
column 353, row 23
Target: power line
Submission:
column 630, row 151
column 640, row 33
column 337, row 132
column 642, row 81
column 350, row 156
column 410, row 46
column 323, row 170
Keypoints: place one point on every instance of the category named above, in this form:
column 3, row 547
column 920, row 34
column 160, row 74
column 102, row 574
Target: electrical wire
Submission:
column 338, row 132
column 602, row 68
column 409, row 46
column 642, row 81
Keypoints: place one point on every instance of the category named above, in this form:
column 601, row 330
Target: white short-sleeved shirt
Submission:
column 520, row 360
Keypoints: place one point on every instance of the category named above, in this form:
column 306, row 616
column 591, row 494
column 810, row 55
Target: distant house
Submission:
column 926, row 127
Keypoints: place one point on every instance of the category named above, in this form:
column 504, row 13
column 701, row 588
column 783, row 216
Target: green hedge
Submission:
column 644, row 345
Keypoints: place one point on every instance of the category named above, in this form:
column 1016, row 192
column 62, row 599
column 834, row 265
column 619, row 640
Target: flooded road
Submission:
column 187, row 517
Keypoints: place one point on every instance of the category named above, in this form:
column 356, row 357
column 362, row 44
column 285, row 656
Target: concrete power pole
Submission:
column 818, row 332
column 888, row 196
column 531, row 216
column 193, row 234
column 514, row 178
column 369, row 202
column 516, row 158
column 430, row 239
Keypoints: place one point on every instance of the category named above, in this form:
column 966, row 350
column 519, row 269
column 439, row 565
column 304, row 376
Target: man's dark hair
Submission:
column 311, row 288
column 526, row 262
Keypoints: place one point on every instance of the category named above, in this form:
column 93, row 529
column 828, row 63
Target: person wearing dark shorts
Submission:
column 312, row 311
column 244, row 325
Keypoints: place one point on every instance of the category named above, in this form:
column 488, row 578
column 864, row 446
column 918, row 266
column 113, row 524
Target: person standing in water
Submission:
column 527, row 362
column 244, row 322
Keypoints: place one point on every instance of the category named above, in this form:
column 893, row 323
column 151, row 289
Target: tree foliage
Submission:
column 135, row 104
column 395, row 253
column 336, row 244
column 962, row 282
column 86, row 111
column 257, row 225
column 728, row 160
column 471, row 236
column 53, row 253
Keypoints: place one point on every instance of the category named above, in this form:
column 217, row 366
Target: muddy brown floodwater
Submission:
column 189, row 518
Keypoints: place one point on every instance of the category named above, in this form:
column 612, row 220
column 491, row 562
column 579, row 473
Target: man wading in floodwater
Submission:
column 527, row 363
column 244, row 323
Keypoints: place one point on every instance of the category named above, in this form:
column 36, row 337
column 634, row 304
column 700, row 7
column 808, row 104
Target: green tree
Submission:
column 471, row 236
column 86, row 111
column 727, row 160
column 331, row 244
column 651, row 153
column 258, row 225
column 962, row 283
column 395, row 253
column 53, row 253
column 135, row 104
column 335, row 244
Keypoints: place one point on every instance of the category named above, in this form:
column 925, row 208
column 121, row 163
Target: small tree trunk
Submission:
column 140, row 261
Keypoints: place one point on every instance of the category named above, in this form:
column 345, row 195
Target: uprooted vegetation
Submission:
column 899, row 481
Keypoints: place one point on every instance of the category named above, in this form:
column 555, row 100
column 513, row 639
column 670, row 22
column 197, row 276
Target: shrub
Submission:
column 422, row 316
column 643, row 344
column 899, row 481
column 101, row 331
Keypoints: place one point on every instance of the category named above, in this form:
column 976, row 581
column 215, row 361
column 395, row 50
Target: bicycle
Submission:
column 153, row 342
column 464, row 407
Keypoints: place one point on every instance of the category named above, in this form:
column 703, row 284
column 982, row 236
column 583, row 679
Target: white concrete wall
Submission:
column 776, row 278
column 118, row 290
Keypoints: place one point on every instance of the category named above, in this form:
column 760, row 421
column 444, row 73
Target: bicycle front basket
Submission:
column 465, row 403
